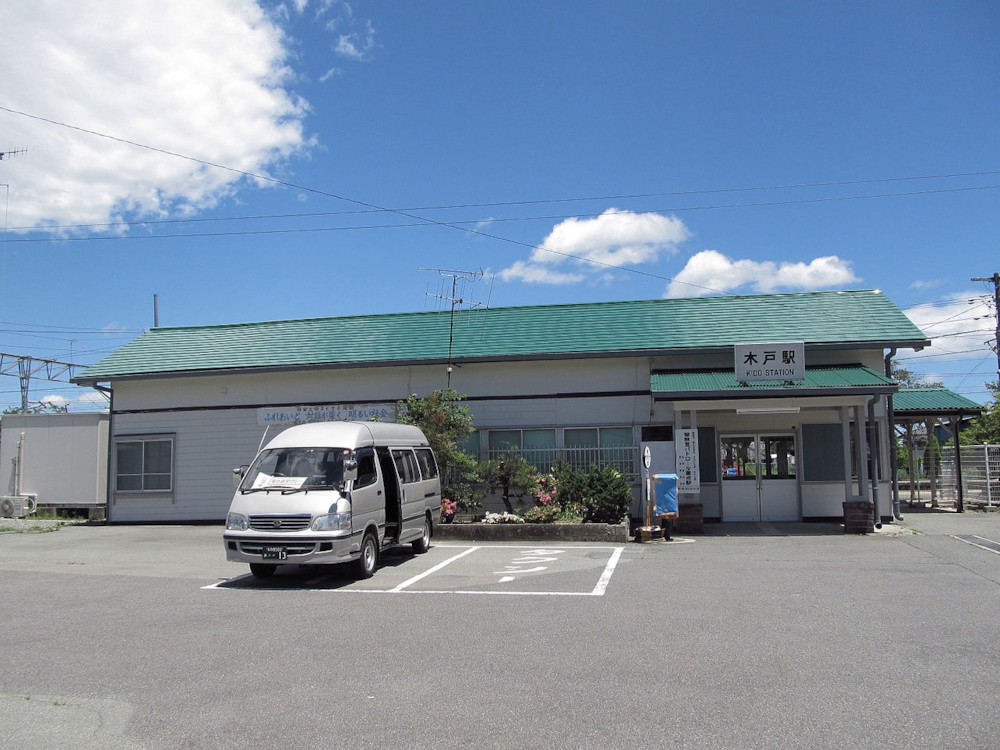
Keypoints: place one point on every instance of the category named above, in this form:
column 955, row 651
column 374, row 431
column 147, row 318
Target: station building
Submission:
column 768, row 407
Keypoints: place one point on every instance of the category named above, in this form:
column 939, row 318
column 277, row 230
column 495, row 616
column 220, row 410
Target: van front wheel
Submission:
column 423, row 544
column 261, row 570
column 366, row 564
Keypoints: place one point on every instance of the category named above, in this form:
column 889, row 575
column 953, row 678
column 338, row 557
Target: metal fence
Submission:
column 623, row 458
column 980, row 475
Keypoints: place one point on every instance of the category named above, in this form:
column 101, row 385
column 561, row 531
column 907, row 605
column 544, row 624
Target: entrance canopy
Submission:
column 722, row 384
column 930, row 406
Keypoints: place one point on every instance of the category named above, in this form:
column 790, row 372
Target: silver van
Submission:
column 332, row 492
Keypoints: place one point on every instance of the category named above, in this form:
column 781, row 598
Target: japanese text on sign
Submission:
column 756, row 362
column 686, row 450
column 292, row 415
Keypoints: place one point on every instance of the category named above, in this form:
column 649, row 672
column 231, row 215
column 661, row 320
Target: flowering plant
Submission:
column 546, row 493
column 502, row 518
column 448, row 507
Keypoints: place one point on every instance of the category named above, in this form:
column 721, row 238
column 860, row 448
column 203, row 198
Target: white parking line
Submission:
column 403, row 588
column 435, row 569
column 609, row 569
column 989, row 546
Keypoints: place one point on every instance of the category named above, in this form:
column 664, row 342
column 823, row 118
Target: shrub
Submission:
column 609, row 496
column 542, row 514
column 601, row 495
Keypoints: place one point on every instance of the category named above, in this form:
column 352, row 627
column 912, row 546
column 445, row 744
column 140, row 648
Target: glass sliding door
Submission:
column 759, row 481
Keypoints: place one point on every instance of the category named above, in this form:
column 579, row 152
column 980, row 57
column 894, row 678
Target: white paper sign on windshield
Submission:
column 267, row 482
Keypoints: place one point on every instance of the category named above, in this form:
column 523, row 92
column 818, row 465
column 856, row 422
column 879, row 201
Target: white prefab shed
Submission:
column 59, row 459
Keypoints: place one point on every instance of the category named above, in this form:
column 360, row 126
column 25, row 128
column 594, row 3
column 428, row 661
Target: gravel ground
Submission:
column 23, row 525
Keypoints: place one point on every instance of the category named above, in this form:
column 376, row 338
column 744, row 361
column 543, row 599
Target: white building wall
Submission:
column 213, row 419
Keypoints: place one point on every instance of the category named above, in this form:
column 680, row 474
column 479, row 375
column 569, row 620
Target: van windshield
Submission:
column 294, row 469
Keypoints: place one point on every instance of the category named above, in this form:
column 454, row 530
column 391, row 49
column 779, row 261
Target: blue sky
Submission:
column 236, row 160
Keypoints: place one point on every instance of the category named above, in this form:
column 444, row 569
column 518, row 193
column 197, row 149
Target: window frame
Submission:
column 143, row 440
column 628, row 466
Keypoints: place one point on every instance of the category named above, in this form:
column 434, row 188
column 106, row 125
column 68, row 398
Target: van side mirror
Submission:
column 238, row 475
column 350, row 469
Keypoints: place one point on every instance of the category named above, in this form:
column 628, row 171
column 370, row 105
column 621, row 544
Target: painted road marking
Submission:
column 435, row 569
column 527, row 556
column 978, row 541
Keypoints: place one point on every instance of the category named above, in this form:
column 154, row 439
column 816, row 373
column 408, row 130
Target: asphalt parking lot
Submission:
column 753, row 635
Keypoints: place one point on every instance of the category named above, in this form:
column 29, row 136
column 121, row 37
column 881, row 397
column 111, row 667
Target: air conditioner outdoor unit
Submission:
column 17, row 506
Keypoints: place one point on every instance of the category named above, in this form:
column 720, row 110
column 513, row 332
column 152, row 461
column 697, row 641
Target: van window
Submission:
column 428, row 467
column 366, row 468
column 406, row 466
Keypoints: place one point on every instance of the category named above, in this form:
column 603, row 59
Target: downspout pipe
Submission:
column 893, row 457
column 873, row 452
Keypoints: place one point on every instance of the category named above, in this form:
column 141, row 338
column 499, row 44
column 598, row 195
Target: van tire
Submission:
column 260, row 570
column 421, row 545
column 368, row 561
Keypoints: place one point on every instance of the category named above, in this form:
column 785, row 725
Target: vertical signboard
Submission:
column 688, row 477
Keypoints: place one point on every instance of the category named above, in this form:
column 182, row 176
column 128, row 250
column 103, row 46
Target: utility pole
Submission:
column 995, row 278
column 27, row 367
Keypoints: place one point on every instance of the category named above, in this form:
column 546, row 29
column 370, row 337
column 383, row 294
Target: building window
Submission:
column 588, row 447
column 144, row 464
column 538, row 447
column 583, row 448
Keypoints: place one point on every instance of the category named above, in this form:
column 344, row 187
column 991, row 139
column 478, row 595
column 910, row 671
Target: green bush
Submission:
column 601, row 495
column 609, row 496
column 542, row 514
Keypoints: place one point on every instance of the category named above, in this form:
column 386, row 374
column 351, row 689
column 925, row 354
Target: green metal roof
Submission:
column 932, row 400
column 862, row 318
column 820, row 381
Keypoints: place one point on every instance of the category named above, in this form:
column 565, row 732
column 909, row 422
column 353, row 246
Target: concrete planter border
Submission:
column 532, row 532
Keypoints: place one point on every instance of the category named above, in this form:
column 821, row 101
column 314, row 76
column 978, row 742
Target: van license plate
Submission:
column 275, row 553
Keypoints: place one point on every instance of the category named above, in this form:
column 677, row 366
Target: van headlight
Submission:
column 332, row 522
column 236, row 522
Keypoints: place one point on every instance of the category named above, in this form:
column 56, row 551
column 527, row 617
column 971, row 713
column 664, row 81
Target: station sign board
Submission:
column 775, row 361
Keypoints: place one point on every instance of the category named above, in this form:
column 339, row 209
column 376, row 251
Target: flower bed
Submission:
column 533, row 532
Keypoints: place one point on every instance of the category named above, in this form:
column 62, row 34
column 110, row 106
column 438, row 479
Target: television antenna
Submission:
column 12, row 152
column 454, row 300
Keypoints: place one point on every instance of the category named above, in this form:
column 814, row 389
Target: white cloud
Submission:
column 959, row 326
column 534, row 273
column 92, row 398
column 53, row 400
column 205, row 78
column 590, row 246
column 357, row 45
column 710, row 271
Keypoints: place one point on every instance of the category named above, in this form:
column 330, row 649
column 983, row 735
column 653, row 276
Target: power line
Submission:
column 404, row 213
column 464, row 224
column 544, row 201
column 995, row 278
